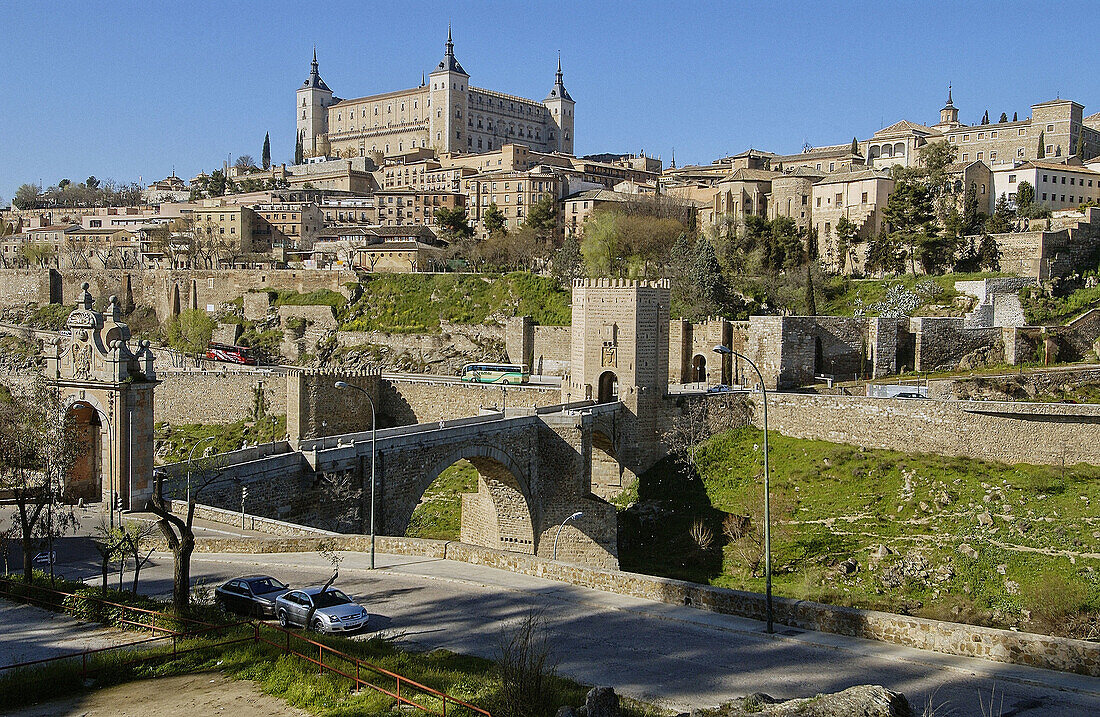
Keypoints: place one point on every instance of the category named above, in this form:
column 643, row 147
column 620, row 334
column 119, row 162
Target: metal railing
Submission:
column 396, row 686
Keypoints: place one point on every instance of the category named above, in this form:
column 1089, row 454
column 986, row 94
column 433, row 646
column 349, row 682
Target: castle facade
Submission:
column 445, row 113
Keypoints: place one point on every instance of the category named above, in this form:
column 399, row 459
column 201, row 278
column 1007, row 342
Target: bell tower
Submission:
column 949, row 115
column 448, row 90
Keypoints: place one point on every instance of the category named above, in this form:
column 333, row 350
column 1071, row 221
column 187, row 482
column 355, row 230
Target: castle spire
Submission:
column 949, row 102
column 450, row 42
column 449, row 63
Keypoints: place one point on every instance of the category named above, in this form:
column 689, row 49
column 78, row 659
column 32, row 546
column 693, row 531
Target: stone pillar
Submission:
column 519, row 340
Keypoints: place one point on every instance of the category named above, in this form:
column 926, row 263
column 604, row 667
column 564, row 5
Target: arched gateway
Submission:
column 107, row 389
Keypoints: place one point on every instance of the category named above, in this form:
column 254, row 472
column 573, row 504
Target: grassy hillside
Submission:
column 439, row 514
column 936, row 294
column 1045, row 310
column 416, row 303
column 950, row 538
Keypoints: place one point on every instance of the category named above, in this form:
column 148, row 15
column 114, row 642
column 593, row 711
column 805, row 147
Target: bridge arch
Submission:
column 499, row 514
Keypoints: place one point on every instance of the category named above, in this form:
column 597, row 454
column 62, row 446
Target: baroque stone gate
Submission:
column 107, row 390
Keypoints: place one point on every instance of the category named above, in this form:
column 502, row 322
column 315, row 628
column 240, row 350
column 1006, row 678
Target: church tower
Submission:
column 448, row 90
column 560, row 106
column 949, row 115
column 314, row 98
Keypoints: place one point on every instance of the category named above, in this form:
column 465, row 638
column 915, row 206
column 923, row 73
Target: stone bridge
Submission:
column 536, row 467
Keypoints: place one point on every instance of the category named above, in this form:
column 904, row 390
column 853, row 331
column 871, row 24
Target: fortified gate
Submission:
column 107, row 390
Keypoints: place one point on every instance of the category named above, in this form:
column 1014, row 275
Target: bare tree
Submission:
column 107, row 542
column 179, row 532
column 702, row 418
column 135, row 544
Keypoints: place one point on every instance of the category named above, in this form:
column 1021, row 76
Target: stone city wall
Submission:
column 1038, row 433
column 215, row 396
column 163, row 289
column 406, row 401
column 1006, row 646
column 941, row 342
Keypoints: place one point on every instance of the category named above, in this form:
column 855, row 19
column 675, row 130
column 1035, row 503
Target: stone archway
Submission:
column 608, row 387
column 699, row 368
column 499, row 514
column 85, row 477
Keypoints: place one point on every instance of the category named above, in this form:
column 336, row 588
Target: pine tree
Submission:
column 1042, row 146
column 855, row 146
column 1080, row 151
column 1004, row 118
column 811, row 303
column 265, row 156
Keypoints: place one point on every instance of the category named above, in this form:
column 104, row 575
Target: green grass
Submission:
column 178, row 439
column 320, row 297
column 833, row 502
column 1046, row 311
column 412, row 303
column 841, row 292
column 439, row 514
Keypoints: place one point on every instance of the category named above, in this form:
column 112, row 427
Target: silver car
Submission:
column 323, row 611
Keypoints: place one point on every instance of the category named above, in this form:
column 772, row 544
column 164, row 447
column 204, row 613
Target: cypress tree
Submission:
column 1042, row 146
column 811, row 303
column 855, row 146
column 1004, row 118
column 1014, row 117
column 985, row 117
column 265, row 156
column 1080, row 151
column 706, row 275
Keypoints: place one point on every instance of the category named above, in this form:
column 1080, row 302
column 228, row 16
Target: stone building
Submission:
column 401, row 207
column 514, row 194
column 1057, row 186
column 444, row 113
column 858, row 196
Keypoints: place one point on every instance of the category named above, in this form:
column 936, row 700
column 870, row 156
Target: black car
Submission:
column 253, row 595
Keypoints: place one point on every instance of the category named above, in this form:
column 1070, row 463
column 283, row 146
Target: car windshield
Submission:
column 266, row 585
column 330, row 598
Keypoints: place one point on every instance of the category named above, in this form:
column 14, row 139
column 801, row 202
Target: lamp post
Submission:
column 189, row 456
column 723, row 350
column 560, row 528
column 373, row 436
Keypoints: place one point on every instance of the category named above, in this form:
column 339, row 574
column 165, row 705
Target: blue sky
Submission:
column 125, row 90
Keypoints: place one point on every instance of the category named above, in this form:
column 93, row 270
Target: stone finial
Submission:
column 85, row 299
column 113, row 310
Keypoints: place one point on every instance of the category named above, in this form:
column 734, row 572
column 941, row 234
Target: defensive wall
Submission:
column 196, row 396
column 168, row 291
column 1044, row 254
column 1010, row 432
column 1005, row 646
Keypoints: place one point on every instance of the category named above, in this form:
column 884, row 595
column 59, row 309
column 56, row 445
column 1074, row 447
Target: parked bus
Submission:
column 231, row 354
column 505, row 373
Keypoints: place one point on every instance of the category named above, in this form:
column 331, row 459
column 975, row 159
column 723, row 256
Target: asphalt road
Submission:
column 677, row 656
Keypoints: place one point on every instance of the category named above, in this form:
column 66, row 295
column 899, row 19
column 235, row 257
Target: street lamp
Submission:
column 189, row 456
column 373, row 436
column 723, row 350
column 560, row 527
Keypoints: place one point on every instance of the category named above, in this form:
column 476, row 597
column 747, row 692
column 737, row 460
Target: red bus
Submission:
column 231, row 354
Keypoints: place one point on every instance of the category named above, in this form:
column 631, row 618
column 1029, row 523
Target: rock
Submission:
column 985, row 519
column 968, row 551
column 861, row 701
column 565, row 711
column 924, row 507
column 1012, row 587
column 601, row 702
column 849, row 566
column 1002, row 568
column 879, row 552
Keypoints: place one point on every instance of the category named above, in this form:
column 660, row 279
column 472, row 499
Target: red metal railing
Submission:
column 339, row 663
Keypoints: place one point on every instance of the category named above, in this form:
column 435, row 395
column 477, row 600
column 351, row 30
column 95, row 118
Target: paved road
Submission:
column 31, row 633
column 677, row 656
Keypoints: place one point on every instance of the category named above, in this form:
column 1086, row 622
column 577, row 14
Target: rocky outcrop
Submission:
column 860, row 701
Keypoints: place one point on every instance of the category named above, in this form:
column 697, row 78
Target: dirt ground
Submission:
column 183, row 696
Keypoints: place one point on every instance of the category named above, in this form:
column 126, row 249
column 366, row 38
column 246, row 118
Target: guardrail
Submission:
column 360, row 672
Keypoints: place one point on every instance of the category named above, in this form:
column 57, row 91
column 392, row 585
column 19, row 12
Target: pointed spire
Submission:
column 450, row 42
column 949, row 95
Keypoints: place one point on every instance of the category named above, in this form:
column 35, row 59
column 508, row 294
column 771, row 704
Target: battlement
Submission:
column 335, row 372
column 605, row 283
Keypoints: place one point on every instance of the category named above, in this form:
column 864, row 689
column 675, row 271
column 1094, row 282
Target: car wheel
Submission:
column 318, row 625
column 283, row 622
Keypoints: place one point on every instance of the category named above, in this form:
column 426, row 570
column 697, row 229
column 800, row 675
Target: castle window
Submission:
column 1021, row 132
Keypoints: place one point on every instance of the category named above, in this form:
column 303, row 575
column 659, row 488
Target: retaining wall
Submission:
column 1043, row 651
column 215, row 396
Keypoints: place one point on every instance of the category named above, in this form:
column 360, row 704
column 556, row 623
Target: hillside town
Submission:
column 413, row 406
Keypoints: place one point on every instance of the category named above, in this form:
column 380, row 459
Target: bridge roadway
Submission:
column 680, row 657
